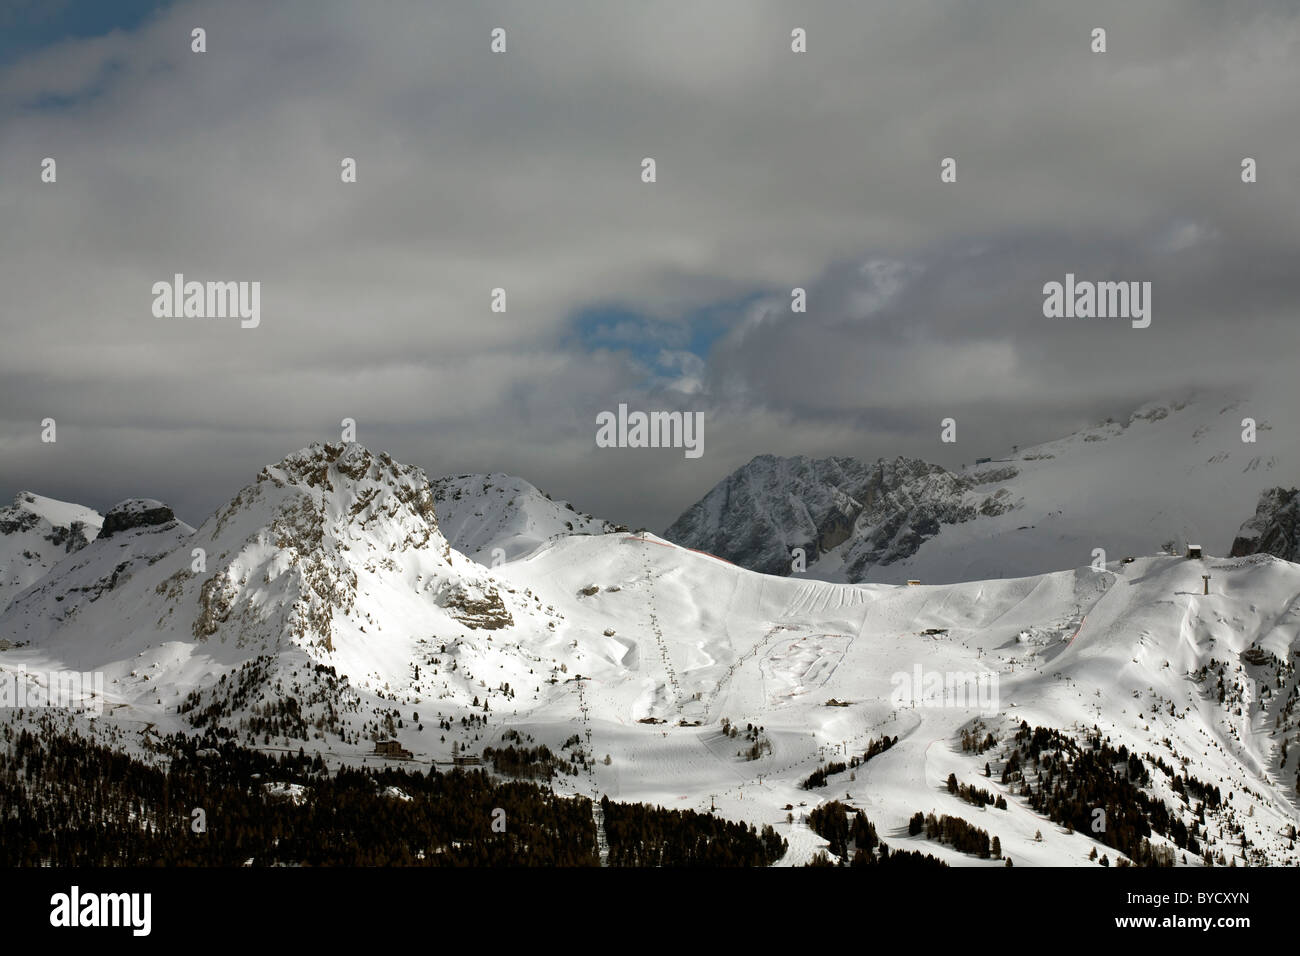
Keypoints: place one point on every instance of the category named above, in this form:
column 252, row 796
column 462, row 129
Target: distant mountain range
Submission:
column 341, row 598
column 1169, row 475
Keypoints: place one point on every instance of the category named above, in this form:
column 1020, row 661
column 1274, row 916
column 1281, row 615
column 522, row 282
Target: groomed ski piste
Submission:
column 1108, row 649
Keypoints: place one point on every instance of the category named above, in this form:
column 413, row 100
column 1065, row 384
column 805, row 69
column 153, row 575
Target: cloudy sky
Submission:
column 522, row 170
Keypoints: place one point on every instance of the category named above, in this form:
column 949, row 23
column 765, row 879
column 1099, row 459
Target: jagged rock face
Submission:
column 756, row 515
column 35, row 534
column 330, row 563
column 911, row 507
column 22, row 517
column 319, row 519
column 379, row 487
column 885, row 510
column 137, row 533
column 135, row 513
column 1275, row 527
column 476, row 607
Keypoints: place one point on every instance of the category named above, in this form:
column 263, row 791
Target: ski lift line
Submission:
column 1080, row 628
column 663, row 648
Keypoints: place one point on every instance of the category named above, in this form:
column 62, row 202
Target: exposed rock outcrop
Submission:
column 880, row 512
column 135, row 513
column 1275, row 527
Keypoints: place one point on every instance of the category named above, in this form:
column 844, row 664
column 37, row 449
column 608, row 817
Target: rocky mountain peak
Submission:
column 350, row 468
column 1275, row 527
column 308, row 533
column 885, row 509
column 35, row 534
column 135, row 513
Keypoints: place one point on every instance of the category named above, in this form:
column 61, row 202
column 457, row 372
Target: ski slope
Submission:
column 642, row 651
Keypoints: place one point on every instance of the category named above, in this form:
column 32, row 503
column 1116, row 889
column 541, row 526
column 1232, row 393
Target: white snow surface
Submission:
column 1172, row 471
column 85, row 575
column 334, row 558
column 479, row 514
column 35, row 534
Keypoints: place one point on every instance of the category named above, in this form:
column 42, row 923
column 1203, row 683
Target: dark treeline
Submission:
column 975, row 795
column 819, row 776
column 830, row 821
column 1072, row 782
column 960, row 835
column 1188, row 785
column 534, row 763
column 971, row 741
column 66, row 801
column 909, row 858
column 641, row 835
column 317, row 689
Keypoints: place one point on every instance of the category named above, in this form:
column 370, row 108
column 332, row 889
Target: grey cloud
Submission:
column 521, row 171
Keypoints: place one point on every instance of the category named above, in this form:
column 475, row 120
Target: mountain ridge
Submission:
column 322, row 608
column 1171, row 474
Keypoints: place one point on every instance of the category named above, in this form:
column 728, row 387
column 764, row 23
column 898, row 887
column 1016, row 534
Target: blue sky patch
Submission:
column 30, row 25
column 644, row 337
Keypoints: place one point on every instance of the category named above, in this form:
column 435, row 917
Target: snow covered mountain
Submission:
column 885, row 511
column 1204, row 683
column 135, row 533
column 35, row 534
column 331, row 562
column 482, row 513
column 324, row 608
column 1171, row 474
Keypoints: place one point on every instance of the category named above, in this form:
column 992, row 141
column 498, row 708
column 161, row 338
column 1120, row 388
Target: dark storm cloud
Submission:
column 776, row 170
